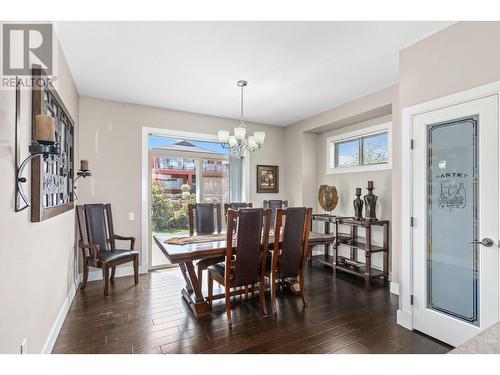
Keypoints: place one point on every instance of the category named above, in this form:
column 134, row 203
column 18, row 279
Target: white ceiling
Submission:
column 294, row 69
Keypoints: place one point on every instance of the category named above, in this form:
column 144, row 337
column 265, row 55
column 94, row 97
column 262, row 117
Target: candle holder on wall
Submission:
column 83, row 172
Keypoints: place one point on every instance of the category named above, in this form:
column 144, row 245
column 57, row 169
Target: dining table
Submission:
column 187, row 254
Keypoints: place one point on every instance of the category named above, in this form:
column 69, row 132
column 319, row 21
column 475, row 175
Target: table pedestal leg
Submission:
column 192, row 292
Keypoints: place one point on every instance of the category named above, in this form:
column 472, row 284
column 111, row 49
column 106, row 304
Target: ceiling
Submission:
column 294, row 69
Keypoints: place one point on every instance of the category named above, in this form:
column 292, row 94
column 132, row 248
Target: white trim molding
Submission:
column 365, row 132
column 405, row 312
column 394, row 288
column 56, row 327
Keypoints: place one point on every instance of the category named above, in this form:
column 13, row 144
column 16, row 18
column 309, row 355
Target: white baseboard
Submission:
column 394, row 288
column 56, row 327
column 405, row 319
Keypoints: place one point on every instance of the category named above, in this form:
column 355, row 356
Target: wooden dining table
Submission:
column 186, row 255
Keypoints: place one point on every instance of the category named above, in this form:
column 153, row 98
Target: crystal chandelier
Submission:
column 238, row 143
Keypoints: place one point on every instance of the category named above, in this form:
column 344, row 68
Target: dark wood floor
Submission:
column 343, row 316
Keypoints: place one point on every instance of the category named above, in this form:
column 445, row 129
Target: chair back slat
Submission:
column 111, row 232
column 202, row 218
column 96, row 225
column 274, row 204
column 82, row 227
column 292, row 242
column 248, row 251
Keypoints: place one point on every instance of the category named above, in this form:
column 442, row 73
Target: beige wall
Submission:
column 110, row 138
column 460, row 57
column 303, row 142
column 37, row 270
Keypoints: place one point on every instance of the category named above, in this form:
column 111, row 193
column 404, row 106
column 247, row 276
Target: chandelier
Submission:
column 238, row 143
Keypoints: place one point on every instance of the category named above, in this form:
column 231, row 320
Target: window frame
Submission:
column 332, row 149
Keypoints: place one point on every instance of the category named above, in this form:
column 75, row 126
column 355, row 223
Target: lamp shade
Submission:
column 259, row 137
column 251, row 142
column 240, row 133
column 232, row 141
column 223, row 136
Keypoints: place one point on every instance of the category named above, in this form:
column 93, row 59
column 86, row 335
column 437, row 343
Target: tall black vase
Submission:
column 370, row 205
column 358, row 207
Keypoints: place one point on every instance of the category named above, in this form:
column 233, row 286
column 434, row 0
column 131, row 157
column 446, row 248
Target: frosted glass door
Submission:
column 455, row 210
column 452, row 215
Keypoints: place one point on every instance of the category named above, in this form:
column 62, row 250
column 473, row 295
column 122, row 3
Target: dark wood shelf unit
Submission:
column 355, row 243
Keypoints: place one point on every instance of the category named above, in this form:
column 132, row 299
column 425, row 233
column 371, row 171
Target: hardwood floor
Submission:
column 343, row 316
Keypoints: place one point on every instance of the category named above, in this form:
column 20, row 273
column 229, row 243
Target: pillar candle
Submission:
column 84, row 165
column 45, row 129
column 370, row 184
column 358, row 191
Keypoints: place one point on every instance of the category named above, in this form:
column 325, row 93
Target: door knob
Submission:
column 486, row 242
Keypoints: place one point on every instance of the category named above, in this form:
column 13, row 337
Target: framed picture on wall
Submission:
column 267, row 179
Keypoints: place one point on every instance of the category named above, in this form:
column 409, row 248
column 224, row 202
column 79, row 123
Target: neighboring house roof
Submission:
column 185, row 146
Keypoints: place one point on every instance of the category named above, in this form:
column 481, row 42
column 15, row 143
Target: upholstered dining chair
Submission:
column 274, row 204
column 204, row 218
column 289, row 257
column 244, row 264
column 98, row 243
column 235, row 206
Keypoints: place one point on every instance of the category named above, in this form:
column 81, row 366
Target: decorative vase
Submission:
column 370, row 203
column 358, row 205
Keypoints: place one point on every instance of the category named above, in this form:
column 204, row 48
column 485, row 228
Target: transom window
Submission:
column 361, row 150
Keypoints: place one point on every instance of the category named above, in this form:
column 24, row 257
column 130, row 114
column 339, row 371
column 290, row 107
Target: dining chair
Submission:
column 203, row 219
column 235, row 206
column 274, row 204
column 290, row 249
column 98, row 243
column 245, row 262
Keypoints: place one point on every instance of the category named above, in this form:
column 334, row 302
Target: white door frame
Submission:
column 145, row 180
column 405, row 312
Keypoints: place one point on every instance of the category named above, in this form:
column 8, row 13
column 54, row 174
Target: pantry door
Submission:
column 456, row 220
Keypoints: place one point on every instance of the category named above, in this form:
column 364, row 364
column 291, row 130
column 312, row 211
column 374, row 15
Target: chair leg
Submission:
column 136, row 269
column 105, row 276
column 228, row 305
column 112, row 277
column 262, row 296
column 273, row 286
column 210, row 290
column 85, row 277
column 302, row 289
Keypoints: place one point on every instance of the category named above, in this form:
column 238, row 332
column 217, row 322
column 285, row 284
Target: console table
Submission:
column 354, row 242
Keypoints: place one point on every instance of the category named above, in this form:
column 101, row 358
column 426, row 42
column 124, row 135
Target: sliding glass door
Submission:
column 183, row 172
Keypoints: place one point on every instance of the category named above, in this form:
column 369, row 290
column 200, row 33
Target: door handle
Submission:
column 486, row 242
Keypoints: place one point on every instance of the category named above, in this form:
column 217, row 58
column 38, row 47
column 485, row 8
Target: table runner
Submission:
column 195, row 239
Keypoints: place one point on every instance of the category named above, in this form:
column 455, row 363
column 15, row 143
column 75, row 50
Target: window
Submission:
column 361, row 150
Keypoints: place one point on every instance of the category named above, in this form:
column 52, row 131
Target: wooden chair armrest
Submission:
column 126, row 238
column 95, row 248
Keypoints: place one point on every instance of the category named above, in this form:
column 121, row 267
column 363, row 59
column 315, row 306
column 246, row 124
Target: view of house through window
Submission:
column 183, row 172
